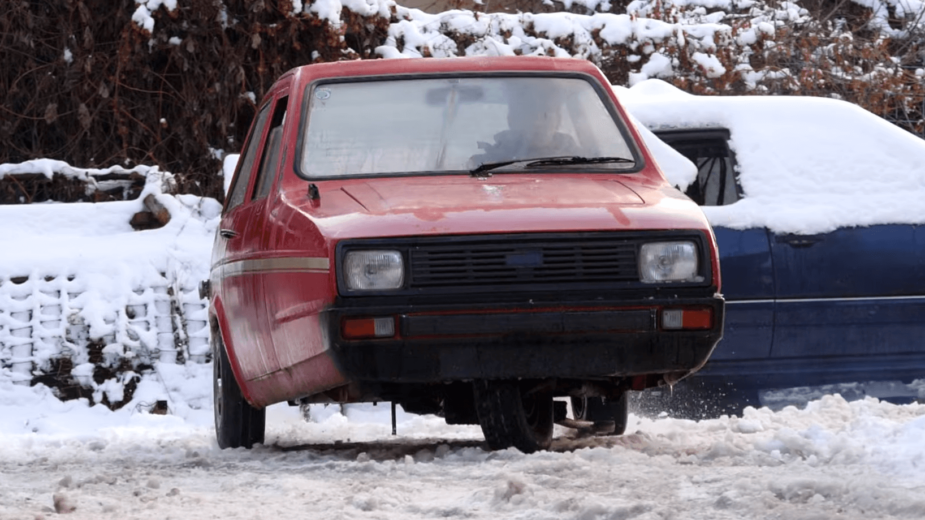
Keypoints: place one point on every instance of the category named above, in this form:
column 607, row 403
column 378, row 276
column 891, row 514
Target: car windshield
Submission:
column 456, row 124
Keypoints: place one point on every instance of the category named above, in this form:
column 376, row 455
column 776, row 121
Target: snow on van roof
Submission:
column 806, row 165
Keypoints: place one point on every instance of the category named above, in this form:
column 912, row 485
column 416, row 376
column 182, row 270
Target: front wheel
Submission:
column 237, row 423
column 511, row 415
column 597, row 409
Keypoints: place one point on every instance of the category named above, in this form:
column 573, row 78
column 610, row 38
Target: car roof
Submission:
column 441, row 65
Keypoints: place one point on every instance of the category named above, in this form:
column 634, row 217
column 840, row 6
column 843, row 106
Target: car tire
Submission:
column 600, row 409
column 237, row 423
column 511, row 417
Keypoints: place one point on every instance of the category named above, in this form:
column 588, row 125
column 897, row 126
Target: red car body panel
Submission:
column 270, row 315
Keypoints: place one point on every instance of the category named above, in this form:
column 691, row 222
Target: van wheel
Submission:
column 237, row 423
column 509, row 416
column 601, row 409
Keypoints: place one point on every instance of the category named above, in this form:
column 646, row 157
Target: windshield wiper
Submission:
column 482, row 169
column 576, row 159
column 486, row 167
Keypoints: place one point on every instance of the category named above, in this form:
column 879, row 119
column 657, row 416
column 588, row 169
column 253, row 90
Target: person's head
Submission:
column 533, row 117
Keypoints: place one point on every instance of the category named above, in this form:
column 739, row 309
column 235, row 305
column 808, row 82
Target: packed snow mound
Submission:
column 806, row 165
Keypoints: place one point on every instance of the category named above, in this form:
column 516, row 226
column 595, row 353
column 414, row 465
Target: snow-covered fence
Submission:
column 87, row 303
column 45, row 338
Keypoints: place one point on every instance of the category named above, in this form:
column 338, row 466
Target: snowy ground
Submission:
column 832, row 459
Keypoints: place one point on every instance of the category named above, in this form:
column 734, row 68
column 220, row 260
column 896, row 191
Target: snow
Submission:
column 807, row 165
column 832, row 459
column 229, row 163
column 710, row 64
column 327, row 10
column 416, row 33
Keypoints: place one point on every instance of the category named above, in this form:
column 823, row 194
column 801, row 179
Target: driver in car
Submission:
column 533, row 133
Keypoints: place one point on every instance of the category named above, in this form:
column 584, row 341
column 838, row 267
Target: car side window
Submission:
column 717, row 182
column 269, row 163
column 246, row 164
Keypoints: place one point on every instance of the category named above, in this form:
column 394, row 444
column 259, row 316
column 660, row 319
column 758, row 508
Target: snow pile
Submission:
column 49, row 168
column 82, row 292
column 806, row 165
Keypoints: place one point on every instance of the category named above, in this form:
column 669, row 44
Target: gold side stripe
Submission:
column 275, row 265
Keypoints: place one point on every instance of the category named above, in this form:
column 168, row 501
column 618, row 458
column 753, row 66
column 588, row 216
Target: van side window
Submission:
column 246, row 163
column 717, row 181
column 269, row 163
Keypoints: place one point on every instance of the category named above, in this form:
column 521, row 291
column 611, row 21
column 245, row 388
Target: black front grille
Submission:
column 523, row 261
column 541, row 263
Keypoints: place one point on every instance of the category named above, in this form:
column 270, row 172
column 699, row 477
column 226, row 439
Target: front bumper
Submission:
column 580, row 340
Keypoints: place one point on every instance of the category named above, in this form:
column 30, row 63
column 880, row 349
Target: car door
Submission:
column 240, row 239
column 745, row 254
column 267, row 263
column 852, row 292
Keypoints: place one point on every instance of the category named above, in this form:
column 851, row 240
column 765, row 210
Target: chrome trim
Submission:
column 275, row 265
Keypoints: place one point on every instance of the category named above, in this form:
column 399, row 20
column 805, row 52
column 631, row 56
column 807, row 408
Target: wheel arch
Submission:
column 218, row 325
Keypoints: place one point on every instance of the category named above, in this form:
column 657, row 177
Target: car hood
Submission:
column 460, row 193
column 499, row 204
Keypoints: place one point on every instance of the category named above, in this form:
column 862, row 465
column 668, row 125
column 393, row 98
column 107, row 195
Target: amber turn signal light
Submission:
column 357, row 328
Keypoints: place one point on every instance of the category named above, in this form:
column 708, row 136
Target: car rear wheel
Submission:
column 237, row 423
column 511, row 415
column 598, row 409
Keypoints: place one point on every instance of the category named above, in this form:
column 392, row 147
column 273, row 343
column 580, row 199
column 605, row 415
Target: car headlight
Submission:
column 668, row 262
column 373, row 270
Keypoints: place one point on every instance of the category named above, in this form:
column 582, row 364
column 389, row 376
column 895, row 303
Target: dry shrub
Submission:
column 81, row 82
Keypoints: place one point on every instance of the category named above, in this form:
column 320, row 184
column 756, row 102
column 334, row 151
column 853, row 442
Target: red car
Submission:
column 468, row 237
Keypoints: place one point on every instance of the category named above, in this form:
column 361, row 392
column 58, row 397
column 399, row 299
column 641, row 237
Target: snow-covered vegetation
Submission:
column 175, row 83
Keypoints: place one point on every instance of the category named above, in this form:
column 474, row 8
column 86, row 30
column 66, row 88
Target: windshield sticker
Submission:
column 322, row 93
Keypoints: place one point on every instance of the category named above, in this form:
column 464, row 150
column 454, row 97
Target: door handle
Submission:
column 799, row 240
column 227, row 233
